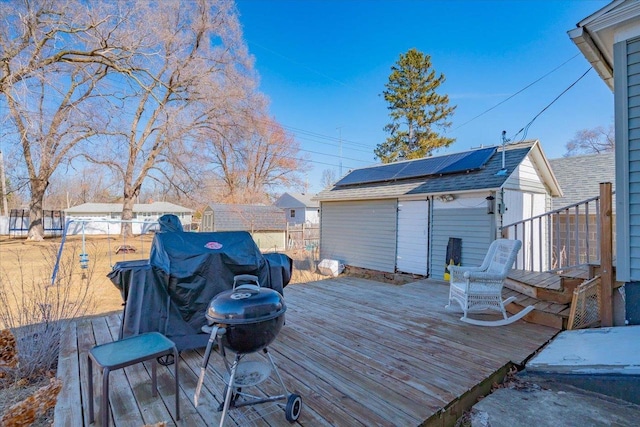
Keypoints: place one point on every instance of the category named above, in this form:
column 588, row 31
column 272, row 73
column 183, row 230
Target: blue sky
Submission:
column 324, row 64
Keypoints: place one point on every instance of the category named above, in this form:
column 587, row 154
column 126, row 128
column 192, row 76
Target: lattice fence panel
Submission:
column 585, row 306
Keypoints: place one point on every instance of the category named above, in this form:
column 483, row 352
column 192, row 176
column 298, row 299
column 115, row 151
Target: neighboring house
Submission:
column 610, row 40
column 266, row 224
column 299, row 208
column 580, row 178
column 400, row 216
column 147, row 212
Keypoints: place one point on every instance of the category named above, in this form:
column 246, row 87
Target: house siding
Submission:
column 360, row 233
column 633, row 87
column 312, row 215
column 627, row 115
column 472, row 225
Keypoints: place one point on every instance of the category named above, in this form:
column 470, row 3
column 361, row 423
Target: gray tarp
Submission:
column 171, row 292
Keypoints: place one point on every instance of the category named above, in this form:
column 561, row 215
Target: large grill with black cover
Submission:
column 170, row 293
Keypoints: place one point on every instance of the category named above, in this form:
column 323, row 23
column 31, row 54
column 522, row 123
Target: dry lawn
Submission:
column 31, row 263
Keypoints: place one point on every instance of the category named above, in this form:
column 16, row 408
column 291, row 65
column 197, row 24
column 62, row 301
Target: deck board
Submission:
column 359, row 352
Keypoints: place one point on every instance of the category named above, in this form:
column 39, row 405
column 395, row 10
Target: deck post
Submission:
column 606, row 255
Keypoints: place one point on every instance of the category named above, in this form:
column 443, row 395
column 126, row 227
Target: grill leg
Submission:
column 227, row 398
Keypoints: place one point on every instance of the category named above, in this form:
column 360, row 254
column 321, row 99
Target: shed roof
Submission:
column 107, row 208
column 580, row 176
column 227, row 217
column 485, row 178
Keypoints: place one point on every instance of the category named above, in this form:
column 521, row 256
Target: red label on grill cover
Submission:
column 213, row 245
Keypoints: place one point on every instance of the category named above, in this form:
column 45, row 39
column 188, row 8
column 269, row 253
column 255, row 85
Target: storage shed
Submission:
column 399, row 217
column 266, row 224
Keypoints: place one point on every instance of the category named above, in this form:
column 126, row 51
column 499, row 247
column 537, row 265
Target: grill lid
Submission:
column 244, row 305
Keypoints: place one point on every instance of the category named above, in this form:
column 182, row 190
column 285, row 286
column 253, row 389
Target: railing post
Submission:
column 606, row 255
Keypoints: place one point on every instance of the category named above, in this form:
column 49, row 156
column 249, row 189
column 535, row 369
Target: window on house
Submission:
column 293, row 213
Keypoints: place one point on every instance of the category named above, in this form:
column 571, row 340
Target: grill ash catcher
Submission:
column 245, row 320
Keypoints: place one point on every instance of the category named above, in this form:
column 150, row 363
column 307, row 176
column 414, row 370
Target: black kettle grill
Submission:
column 245, row 320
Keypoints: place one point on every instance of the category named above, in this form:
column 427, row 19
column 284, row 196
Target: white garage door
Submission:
column 413, row 220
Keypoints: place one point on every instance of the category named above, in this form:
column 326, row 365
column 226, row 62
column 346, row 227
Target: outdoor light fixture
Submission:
column 446, row 197
column 491, row 205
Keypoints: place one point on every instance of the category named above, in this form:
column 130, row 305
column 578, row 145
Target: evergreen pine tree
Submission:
column 415, row 109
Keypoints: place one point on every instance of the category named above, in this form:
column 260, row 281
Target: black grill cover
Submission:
column 185, row 271
column 169, row 223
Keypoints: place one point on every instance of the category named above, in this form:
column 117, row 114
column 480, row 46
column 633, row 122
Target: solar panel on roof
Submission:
column 372, row 174
column 473, row 160
column 452, row 163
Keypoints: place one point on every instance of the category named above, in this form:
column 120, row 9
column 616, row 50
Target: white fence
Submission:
column 108, row 226
column 4, row 225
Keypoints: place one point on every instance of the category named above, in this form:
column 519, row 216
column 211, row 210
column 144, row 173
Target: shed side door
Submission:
column 413, row 220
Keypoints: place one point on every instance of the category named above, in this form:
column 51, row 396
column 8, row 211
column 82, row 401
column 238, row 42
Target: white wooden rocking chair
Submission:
column 477, row 289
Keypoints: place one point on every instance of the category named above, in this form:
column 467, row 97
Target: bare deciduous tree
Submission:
column 258, row 159
column 194, row 74
column 70, row 187
column 328, row 178
column 596, row 140
column 85, row 80
column 54, row 58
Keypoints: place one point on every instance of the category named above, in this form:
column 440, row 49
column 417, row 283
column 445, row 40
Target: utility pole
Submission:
column 3, row 186
column 340, row 140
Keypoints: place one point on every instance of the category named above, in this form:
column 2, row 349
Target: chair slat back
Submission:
column 503, row 254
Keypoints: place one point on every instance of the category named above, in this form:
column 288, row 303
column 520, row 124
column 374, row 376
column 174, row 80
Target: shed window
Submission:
column 293, row 213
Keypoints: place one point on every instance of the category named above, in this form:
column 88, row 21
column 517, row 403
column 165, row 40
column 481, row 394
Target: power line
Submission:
column 526, row 127
column 300, row 64
column 332, row 155
column 517, row 93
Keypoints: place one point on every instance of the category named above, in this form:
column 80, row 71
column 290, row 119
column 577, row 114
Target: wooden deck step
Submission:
column 546, row 313
column 544, row 286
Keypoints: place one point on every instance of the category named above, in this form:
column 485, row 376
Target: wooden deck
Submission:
column 359, row 352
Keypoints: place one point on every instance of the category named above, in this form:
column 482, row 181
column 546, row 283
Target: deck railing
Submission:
column 560, row 239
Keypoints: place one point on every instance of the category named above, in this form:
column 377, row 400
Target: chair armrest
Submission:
column 480, row 276
column 458, row 269
column 458, row 274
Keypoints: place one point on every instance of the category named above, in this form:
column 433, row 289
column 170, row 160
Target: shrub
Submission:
column 37, row 311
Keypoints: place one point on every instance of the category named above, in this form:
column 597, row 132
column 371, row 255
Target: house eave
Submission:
column 593, row 54
column 595, row 35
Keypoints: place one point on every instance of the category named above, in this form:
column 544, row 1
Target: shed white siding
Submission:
column 534, row 254
column 525, row 178
column 359, row 233
column 472, row 225
column 413, row 235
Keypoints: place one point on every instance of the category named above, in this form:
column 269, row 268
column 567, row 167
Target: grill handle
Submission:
column 251, row 279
